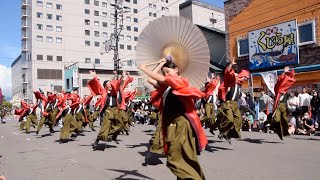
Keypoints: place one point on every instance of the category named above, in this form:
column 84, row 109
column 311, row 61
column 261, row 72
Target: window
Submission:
column 135, row 38
column 40, row 38
column 59, row 29
column 129, row 38
column 135, row 10
column 87, row 1
column 154, row 6
column 96, row 34
column 49, row 58
column 57, row 88
column 59, row 58
column 97, row 44
column 135, row 19
column 112, row 25
column 150, row 5
column 39, row 3
column 128, row 18
column 243, row 47
column 150, row 13
column 128, row 28
column 59, row 18
column 59, row 6
column 87, row 60
column 121, row 37
column 49, row 16
column 39, row 26
column 49, row 74
column 96, row 3
column 135, row 29
column 96, row 23
column 39, row 15
column 87, row 32
column 105, row 34
column 135, row 2
column 121, row 46
column 112, row 6
column 85, row 82
column 154, row 14
column 96, row 13
column 128, row 1
column 104, row 4
column 129, row 47
column 49, row 28
column 104, row 24
column 49, row 5
column 49, row 39
column 39, row 57
column 306, row 33
column 104, row 14
column 87, row 22
column 58, row 40
column 87, row 11
column 97, row 61
column 87, row 43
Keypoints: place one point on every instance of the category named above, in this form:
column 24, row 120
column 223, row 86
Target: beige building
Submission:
column 203, row 14
column 58, row 33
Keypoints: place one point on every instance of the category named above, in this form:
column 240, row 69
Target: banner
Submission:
column 75, row 77
column 270, row 78
column 275, row 45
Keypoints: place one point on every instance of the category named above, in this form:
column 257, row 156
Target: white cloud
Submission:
column 5, row 80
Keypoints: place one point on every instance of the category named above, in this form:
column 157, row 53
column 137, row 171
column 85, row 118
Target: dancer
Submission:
column 280, row 116
column 209, row 89
column 183, row 133
column 229, row 118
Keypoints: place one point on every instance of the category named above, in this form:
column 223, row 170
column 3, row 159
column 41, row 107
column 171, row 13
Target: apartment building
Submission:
column 58, row 33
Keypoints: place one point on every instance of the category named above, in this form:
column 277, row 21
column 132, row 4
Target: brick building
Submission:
column 244, row 17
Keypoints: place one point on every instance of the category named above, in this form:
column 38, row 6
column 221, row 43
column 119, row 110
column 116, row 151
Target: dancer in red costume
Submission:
column 182, row 130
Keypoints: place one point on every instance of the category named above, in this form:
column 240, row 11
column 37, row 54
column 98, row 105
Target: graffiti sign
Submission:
column 274, row 46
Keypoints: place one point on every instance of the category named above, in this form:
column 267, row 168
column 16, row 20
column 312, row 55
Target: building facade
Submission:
column 245, row 17
column 203, row 14
column 58, row 33
column 211, row 21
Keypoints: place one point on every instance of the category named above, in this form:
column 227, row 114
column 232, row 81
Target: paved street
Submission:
column 256, row 156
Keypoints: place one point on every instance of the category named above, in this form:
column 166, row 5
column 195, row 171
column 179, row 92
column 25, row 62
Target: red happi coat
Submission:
column 129, row 96
column 284, row 82
column 180, row 87
column 86, row 102
column 122, row 105
column 230, row 80
column 210, row 87
column 45, row 101
column 23, row 110
column 97, row 89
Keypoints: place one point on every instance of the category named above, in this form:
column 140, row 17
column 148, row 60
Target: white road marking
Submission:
column 15, row 133
column 28, row 139
column 73, row 160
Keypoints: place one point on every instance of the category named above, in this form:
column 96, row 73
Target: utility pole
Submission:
column 116, row 38
column 113, row 42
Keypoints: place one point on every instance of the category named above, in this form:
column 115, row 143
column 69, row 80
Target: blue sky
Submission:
column 10, row 30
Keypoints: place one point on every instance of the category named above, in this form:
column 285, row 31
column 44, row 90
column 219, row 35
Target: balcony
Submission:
column 24, row 4
column 24, row 66
column 24, row 35
column 24, row 24
column 24, row 13
column 24, row 48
